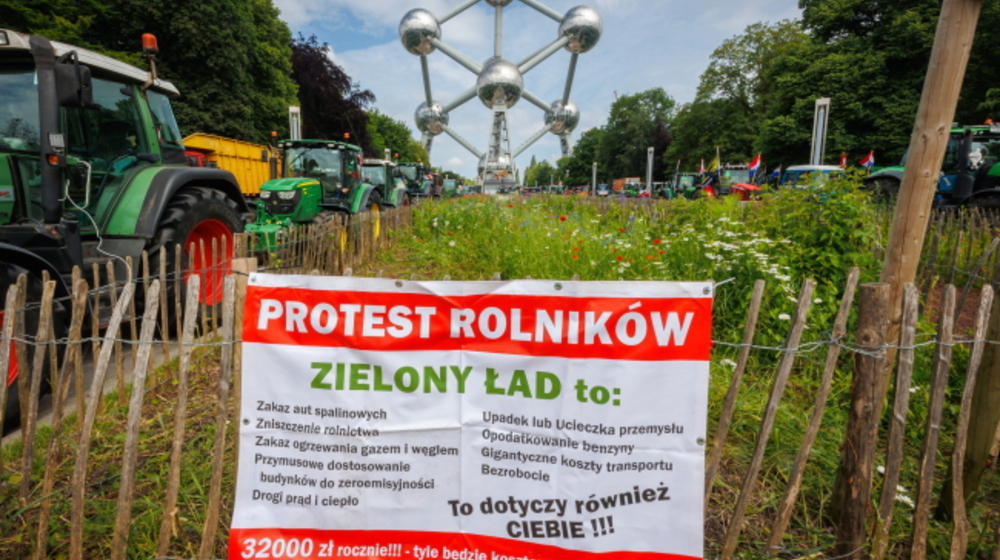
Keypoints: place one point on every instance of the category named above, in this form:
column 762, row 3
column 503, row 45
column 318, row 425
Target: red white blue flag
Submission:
column 869, row 160
column 843, row 159
column 755, row 165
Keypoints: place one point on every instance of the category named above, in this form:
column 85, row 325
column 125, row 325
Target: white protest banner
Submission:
column 537, row 420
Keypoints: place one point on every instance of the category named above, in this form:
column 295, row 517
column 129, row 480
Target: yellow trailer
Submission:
column 250, row 163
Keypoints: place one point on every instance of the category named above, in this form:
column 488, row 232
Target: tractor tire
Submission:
column 197, row 215
column 985, row 202
column 375, row 201
column 8, row 275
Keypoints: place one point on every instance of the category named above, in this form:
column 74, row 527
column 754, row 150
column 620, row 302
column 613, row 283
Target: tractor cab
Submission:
column 385, row 176
column 970, row 171
column 319, row 178
column 415, row 174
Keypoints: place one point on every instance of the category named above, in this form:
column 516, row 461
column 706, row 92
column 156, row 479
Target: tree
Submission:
column 576, row 169
column 332, row 103
column 636, row 123
column 733, row 94
column 387, row 132
column 540, row 174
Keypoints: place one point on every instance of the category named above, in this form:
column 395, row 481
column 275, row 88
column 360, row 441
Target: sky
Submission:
column 645, row 44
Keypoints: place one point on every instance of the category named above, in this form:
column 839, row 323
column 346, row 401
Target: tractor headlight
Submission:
column 286, row 195
column 265, row 194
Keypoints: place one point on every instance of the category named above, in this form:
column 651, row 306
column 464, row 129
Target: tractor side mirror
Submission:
column 264, row 156
column 74, row 86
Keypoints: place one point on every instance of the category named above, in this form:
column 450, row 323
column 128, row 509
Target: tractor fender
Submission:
column 137, row 213
column 985, row 193
column 33, row 264
column 364, row 194
column 896, row 174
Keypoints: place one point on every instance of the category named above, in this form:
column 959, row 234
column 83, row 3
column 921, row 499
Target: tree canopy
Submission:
column 387, row 132
column 636, row 122
column 332, row 103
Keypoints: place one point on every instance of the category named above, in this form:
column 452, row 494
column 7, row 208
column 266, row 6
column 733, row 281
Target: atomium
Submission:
column 583, row 26
column 499, row 81
column 431, row 119
column 417, row 29
column 562, row 119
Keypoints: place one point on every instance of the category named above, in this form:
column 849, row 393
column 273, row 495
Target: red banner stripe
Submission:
column 393, row 545
column 643, row 329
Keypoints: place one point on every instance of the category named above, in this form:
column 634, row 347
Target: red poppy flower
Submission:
column 619, row 257
column 562, row 218
column 650, row 258
column 656, row 242
column 661, row 252
column 576, row 256
column 621, row 230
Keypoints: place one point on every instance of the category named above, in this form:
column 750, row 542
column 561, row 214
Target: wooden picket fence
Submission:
column 54, row 492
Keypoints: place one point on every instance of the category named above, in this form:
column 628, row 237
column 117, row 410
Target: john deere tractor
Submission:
column 92, row 170
column 415, row 175
column 385, row 176
column 320, row 180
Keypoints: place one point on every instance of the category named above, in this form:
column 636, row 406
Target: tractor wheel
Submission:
column 196, row 216
column 8, row 275
column 985, row 202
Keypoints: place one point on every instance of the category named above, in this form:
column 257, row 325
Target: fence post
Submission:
column 932, row 428
column 897, row 428
column 186, row 341
column 10, row 318
column 960, row 539
column 984, row 415
column 853, row 487
column 767, row 424
column 130, row 453
column 208, row 535
column 79, row 480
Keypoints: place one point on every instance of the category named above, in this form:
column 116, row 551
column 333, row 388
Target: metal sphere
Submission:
column 431, row 119
column 416, row 30
column 583, row 26
column 499, row 80
column 499, row 3
column 500, row 164
column 561, row 118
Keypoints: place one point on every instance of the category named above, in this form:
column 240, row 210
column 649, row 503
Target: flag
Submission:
column 754, row 165
column 776, row 172
column 869, row 160
column 714, row 164
column 843, row 159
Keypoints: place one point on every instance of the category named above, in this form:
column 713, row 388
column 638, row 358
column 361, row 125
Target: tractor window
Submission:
column 319, row 163
column 409, row 172
column 167, row 131
column 19, row 109
column 108, row 133
column 374, row 175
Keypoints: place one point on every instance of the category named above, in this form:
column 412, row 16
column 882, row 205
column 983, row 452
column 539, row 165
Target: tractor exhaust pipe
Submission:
column 48, row 126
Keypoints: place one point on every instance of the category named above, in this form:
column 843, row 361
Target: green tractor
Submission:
column 416, row 175
column 384, row 175
column 320, row 180
column 92, row 170
column 970, row 172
